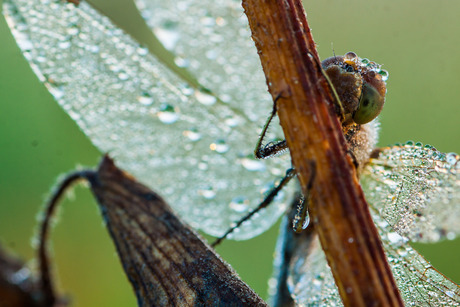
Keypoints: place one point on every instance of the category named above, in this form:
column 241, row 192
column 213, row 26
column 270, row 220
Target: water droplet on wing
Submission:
column 167, row 114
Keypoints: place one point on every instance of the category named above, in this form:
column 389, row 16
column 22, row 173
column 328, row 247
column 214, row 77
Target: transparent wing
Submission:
column 311, row 282
column 211, row 38
column 194, row 149
column 310, row 278
column 416, row 190
column 419, row 283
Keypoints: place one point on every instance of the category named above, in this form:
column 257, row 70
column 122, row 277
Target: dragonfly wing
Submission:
column 419, row 283
column 212, row 38
column 195, row 152
column 416, row 190
column 301, row 274
column 311, row 283
column 310, row 278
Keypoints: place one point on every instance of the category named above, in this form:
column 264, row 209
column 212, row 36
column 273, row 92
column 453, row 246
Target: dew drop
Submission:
column 192, row 134
column 207, row 193
column 123, row 76
column 452, row 158
column 186, row 89
column 145, row 99
column 219, row 146
column 24, row 43
column 142, row 51
column 64, row 45
column 73, row 30
column 211, row 54
column 394, row 237
column 167, row 114
column 239, row 204
column 205, row 98
column 267, row 188
column 306, row 220
column 232, row 121
column 450, row 235
column 402, row 252
column 272, row 284
column 384, row 74
column 181, row 62
column 93, row 49
column 220, row 21
column 203, row 166
column 317, row 282
column 74, row 115
column 20, row 276
column 167, row 36
column 351, row 56
column 225, row 98
column 253, row 165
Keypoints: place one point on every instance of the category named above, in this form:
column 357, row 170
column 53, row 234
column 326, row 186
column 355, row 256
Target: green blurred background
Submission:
column 416, row 40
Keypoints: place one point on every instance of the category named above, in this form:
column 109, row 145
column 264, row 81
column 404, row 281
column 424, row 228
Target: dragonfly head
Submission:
column 360, row 85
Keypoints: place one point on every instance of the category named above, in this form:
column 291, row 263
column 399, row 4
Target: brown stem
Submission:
column 313, row 133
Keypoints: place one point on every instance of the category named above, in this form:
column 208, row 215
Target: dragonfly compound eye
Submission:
column 373, row 96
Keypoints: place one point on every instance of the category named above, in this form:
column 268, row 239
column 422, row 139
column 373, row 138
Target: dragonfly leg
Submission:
column 290, row 173
column 270, row 149
column 301, row 218
column 338, row 104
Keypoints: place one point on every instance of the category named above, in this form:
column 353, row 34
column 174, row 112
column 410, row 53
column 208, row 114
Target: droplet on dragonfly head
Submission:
column 384, row 74
column 351, row 58
column 452, row 158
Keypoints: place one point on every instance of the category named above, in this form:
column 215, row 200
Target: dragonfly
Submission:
column 200, row 138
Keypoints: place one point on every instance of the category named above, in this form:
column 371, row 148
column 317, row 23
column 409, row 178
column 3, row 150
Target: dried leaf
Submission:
column 166, row 262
